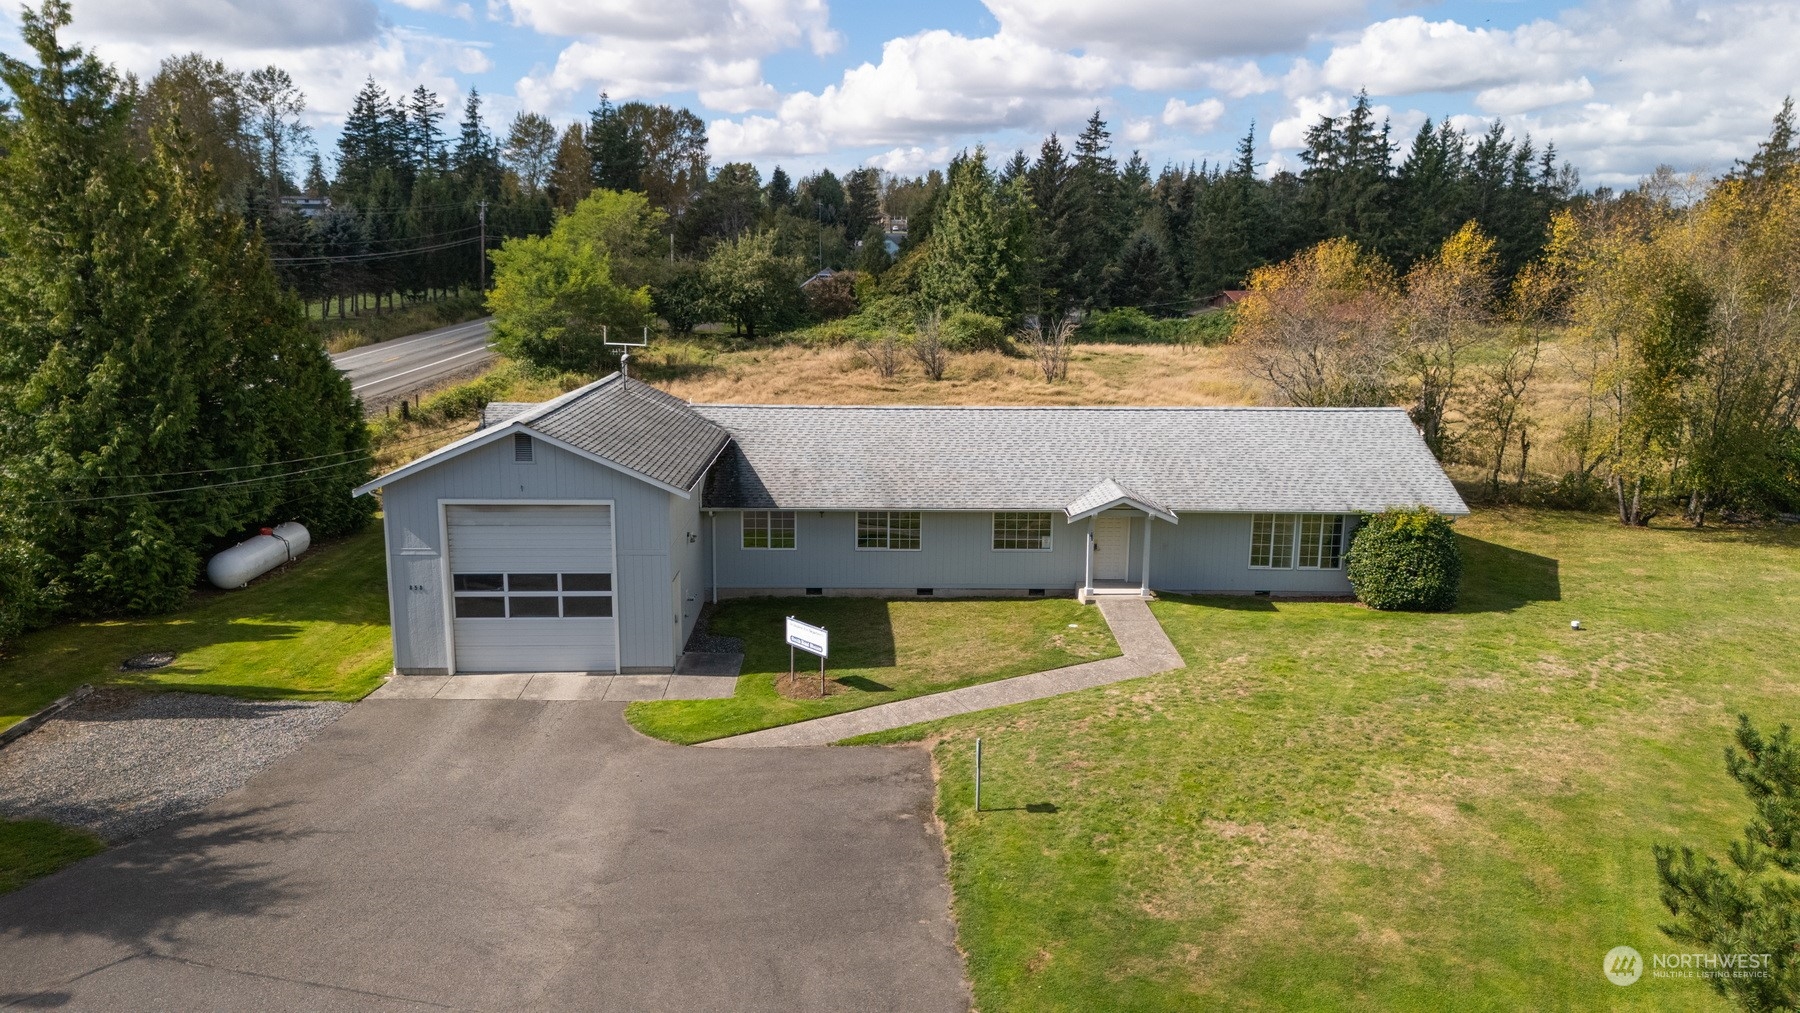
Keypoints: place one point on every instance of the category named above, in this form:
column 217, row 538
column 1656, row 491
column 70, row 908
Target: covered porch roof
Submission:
column 1108, row 494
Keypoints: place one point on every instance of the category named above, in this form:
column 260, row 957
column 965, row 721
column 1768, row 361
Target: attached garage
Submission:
column 532, row 587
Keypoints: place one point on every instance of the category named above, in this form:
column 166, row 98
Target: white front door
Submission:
column 1112, row 548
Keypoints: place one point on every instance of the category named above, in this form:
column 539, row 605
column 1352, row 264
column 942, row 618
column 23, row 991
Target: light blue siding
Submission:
column 642, row 523
column 1204, row 552
column 956, row 552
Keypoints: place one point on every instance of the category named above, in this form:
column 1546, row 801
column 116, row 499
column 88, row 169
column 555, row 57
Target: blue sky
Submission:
column 1619, row 85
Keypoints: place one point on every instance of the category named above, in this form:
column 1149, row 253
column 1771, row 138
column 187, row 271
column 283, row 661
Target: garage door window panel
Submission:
column 531, row 582
column 480, row 582
column 480, row 607
column 587, row 582
column 587, row 606
column 527, row 606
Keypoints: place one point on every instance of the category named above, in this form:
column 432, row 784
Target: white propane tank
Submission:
column 247, row 560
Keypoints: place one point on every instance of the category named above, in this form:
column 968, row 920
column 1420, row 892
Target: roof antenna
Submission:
column 625, row 356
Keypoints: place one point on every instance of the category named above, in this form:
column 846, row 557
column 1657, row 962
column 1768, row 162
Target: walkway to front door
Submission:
column 1146, row 648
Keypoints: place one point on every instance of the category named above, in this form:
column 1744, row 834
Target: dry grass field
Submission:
column 812, row 374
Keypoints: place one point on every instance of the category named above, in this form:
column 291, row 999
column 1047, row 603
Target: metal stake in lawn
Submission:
column 978, row 774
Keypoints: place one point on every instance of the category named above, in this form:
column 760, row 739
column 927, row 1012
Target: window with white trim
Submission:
column 1321, row 541
column 768, row 529
column 532, row 595
column 887, row 529
column 1021, row 532
column 1296, row 541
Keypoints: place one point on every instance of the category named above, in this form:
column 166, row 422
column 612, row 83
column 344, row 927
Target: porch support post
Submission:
column 1145, row 570
column 1087, row 573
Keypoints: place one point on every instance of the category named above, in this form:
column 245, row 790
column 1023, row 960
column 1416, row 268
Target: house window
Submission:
column 1321, row 541
column 1021, row 532
column 768, row 529
column 532, row 595
column 887, row 529
column 1287, row 541
column 1272, row 541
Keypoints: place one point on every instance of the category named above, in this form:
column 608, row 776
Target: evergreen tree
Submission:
column 476, row 159
column 366, row 143
column 616, row 156
column 780, row 194
column 1776, row 156
column 969, row 263
column 425, row 134
column 155, row 382
column 1088, row 227
column 862, row 200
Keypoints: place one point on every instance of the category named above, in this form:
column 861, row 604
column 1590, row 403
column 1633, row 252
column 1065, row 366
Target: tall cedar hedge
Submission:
column 160, row 395
column 1405, row 560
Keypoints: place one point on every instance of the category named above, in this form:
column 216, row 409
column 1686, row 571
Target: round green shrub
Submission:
column 1405, row 560
column 968, row 331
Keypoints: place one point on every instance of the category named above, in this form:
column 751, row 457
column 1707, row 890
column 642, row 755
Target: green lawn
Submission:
column 33, row 848
column 318, row 631
column 1334, row 808
column 881, row 651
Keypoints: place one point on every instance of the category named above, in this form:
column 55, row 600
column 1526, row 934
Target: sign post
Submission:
column 812, row 640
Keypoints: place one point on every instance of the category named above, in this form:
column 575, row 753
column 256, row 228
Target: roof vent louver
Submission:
column 522, row 448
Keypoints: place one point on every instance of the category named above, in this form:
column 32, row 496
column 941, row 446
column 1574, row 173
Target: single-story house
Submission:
column 582, row 534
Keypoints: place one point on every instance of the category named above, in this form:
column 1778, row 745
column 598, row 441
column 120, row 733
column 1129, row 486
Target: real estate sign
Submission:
column 809, row 638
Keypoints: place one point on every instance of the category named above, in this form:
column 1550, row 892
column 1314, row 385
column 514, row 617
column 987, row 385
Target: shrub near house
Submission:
column 1405, row 560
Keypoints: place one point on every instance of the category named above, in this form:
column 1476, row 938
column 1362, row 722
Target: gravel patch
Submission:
column 121, row 763
column 704, row 641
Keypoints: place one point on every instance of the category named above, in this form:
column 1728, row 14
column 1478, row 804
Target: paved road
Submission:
column 389, row 370
column 512, row 854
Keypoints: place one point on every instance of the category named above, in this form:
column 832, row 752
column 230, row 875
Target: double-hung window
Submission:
column 1021, row 532
column 887, row 529
column 1289, row 541
column 768, row 529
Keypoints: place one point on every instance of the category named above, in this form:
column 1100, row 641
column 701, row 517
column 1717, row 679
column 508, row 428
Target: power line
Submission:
column 359, row 456
column 362, row 257
column 395, row 239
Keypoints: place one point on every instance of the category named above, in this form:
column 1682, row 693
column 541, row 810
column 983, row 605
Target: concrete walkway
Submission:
column 697, row 677
column 1146, row 648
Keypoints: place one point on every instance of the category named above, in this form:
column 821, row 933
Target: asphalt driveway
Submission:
column 490, row 854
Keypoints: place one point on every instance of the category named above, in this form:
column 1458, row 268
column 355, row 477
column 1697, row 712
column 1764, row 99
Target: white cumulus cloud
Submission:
column 1198, row 118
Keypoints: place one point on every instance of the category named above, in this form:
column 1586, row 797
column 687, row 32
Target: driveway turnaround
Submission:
column 1145, row 648
column 506, row 854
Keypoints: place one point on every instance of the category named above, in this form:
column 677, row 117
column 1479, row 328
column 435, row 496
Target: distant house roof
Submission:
column 1229, row 297
column 623, row 423
column 496, row 412
column 1325, row 460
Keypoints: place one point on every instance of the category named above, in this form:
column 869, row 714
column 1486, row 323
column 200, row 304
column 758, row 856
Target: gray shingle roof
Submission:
column 1189, row 459
column 634, row 425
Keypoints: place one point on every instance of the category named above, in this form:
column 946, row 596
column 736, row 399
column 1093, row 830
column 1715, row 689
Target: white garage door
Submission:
column 532, row 588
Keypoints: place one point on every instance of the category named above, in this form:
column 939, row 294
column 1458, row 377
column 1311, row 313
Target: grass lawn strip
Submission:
column 33, row 848
column 881, row 651
column 317, row 631
column 1334, row 808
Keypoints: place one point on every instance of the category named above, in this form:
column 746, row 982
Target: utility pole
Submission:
column 481, row 255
